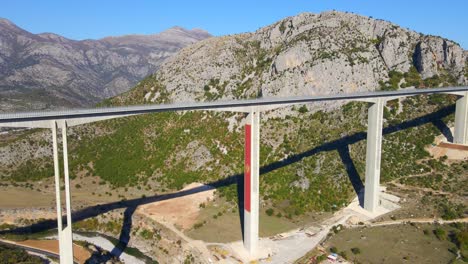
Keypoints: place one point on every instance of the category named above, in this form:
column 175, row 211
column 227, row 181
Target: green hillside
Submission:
column 324, row 149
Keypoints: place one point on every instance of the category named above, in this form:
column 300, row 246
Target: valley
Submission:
column 170, row 184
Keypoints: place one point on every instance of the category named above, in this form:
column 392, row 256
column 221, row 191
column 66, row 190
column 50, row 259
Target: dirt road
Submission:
column 417, row 220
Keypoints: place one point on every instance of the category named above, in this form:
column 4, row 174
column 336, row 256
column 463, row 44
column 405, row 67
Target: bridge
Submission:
column 56, row 120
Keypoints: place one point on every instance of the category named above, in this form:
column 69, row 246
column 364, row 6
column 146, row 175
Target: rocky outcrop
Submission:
column 40, row 71
column 434, row 55
column 394, row 46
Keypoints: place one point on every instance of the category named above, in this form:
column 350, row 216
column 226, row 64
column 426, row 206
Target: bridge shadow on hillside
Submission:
column 341, row 145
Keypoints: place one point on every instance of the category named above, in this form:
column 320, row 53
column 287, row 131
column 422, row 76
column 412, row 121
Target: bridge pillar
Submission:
column 461, row 120
column 64, row 234
column 373, row 155
column 251, row 181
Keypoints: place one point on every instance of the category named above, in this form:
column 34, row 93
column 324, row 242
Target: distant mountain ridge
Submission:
column 46, row 70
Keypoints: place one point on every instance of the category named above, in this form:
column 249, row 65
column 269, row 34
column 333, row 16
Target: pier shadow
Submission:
column 124, row 237
column 240, row 200
column 352, row 172
column 341, row 145
column 444, row 129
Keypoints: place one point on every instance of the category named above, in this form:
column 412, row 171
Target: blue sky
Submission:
column 82, row 19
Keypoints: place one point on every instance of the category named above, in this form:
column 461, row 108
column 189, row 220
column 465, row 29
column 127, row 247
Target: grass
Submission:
column 402, row 243
column 226, row 227
column 137, row 148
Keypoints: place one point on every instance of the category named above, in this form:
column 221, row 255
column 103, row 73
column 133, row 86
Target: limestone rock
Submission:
column 308, row 54
column 433, row 55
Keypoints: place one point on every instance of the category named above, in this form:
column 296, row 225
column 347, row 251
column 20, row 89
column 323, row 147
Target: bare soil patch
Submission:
column 441, row 148
column 180, row 211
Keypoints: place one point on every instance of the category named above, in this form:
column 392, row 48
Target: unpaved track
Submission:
column 197, row 244
column 416, row 220
column 423, row 189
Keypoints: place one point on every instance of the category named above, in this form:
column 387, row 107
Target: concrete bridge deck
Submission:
column 237, row 105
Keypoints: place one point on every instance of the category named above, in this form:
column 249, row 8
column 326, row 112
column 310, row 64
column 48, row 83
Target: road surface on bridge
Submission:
column 238, row 104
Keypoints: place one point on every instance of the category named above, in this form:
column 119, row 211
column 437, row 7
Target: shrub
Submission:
column 198, row 225
column 451, row 211
column 282, row 27
column 303, row 109
column 321, row 258
column 356, row 251
column 393, row 83
column 270, row 211
column 440, row 233
column 146, row 234
column 412, row 78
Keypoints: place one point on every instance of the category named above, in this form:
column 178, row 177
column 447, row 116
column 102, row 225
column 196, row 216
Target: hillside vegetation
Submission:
column 316, row 152
column 317, row 155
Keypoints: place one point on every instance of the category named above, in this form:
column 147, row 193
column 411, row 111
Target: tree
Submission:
column 270, row 212
column 440, row 233
column 303, row 109
column 356, row 251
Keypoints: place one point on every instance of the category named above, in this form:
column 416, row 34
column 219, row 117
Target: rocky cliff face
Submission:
column 39, row 71
column 308, row 54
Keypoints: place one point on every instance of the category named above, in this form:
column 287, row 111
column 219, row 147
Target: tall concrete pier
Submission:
column 373, row 154
column 65, row 235
column 461, row 120
column 251, row 175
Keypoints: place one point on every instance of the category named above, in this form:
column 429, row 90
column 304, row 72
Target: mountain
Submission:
column 307, row 54
column 42, row 71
